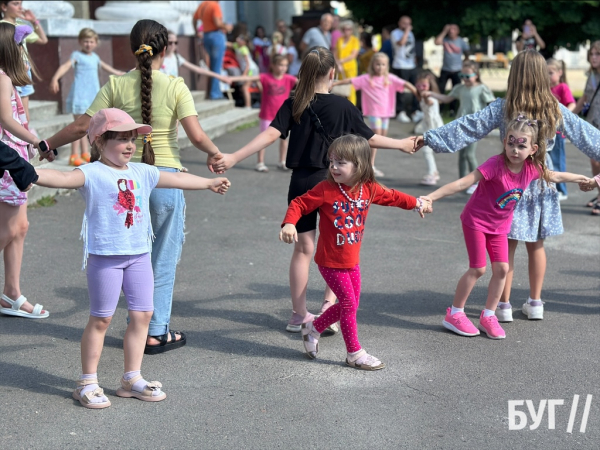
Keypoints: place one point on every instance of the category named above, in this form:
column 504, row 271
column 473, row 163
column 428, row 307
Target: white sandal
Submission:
column 86, row 399
column 363, row 361
column 146, row 395
column 15, row 309
column 310, row 339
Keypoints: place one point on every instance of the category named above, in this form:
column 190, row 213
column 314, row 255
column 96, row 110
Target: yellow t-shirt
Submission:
column 171, row 101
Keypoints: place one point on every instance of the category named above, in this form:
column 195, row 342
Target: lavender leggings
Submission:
column 345, row 284
column 108, row 275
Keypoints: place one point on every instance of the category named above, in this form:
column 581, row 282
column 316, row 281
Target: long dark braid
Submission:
column 148, row 38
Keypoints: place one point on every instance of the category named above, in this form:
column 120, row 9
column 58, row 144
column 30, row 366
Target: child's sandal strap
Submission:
column 83, row 383
column 151, row 386
column 89, row 395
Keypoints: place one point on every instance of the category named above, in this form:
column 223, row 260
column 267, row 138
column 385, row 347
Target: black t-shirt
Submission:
column 307, row 147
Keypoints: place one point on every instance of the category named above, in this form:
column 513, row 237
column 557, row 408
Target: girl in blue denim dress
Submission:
column 537, row 215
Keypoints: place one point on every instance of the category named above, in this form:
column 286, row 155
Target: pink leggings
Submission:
column 345, row 284
column 478, row 241
column 108, row 275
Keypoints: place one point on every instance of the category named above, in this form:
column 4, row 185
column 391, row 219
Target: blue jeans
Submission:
column 214, row 44
column 557, row 155
column 167, row 211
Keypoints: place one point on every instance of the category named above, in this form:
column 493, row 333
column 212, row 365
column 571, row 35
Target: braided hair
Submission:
column 148, row 38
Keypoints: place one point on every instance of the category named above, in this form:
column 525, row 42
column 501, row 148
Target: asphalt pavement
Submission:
column 243, row 382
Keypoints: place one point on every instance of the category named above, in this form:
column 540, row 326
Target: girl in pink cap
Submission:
column 117, row 235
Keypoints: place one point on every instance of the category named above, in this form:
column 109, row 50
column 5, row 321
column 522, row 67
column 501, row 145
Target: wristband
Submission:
column 44, row 147
column 419, row 206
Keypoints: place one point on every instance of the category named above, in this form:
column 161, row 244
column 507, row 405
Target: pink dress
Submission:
column 9, row 193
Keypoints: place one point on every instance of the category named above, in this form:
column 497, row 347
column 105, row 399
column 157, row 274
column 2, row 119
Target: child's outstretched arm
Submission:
column 340, row 82
column 111, row 69
column 261, row 141
column 567, row 177
column 187, row 181
column 63, row 69
column 56, row 179
column 442, row 98
column 209, row 73
column 201, row 141
column 243, row 78
column 455, row 186
column 411, row 87
column 406, row 145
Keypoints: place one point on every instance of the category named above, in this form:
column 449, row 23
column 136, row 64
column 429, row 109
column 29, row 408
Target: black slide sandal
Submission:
column 166, row 345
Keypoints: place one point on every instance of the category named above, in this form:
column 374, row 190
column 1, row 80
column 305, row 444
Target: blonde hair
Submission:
column 355, row 149
column 430, row 77
column 99, row 143
column 528, row 93
column 525, row 125
column 316, row 64
column 87, row 33
column 276, row 38
column 386, row 72
column 595, row 46
column 558, row 65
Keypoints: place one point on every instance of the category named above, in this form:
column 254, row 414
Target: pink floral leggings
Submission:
column 345, row 284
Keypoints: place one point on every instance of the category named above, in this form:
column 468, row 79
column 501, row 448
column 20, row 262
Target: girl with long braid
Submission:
column 155, row 99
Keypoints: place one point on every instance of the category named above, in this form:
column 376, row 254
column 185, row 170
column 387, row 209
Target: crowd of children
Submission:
column 331, row 156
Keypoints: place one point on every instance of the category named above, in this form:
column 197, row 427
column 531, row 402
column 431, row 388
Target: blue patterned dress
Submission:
column 537, row 215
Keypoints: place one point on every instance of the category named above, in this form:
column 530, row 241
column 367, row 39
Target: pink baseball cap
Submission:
column 113, row 119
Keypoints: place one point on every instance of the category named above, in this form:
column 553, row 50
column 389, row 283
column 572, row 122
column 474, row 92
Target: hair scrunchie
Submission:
column 143, row 49
column 147, row 139
column 21, row 32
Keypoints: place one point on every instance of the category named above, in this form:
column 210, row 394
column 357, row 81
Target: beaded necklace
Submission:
column 354, row 202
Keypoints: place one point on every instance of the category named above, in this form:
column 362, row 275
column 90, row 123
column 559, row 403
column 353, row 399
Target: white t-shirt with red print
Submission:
column 117, row 216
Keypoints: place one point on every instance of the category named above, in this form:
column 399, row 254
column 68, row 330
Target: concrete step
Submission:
column 198, row 96
column 221, row 124
column 211, row 108
column 42, row 109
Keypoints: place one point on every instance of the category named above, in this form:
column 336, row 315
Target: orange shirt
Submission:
column 207, row 12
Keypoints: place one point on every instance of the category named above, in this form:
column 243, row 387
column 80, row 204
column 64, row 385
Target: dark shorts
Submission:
column 303, row 180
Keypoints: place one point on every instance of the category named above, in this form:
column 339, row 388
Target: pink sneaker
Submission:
column 490, row 326
column 460, row 324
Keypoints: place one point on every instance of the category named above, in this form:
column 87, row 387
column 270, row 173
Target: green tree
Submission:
column 559, row 23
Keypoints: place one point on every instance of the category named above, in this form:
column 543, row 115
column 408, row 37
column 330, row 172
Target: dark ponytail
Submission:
column 147, row 39
column 316, row 64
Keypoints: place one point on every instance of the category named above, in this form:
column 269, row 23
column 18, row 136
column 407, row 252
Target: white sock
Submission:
column 91, row 387
column 529, row 300
column 488, row 312
column 456, row 310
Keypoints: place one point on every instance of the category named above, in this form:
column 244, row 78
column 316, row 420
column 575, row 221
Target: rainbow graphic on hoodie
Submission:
column 512, row 195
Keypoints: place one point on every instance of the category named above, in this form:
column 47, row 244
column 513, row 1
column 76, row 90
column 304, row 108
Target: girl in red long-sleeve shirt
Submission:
column 343, row 201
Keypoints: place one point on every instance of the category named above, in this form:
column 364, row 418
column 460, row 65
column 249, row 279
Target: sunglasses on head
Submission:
column 467, row 75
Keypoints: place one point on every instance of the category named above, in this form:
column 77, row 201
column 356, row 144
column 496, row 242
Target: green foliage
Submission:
column 43, row 202
column 559, row 23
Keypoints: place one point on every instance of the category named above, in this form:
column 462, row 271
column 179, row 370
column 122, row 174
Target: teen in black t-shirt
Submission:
column 313, row 119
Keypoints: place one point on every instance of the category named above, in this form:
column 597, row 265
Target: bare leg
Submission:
column 92, row 343
column 13, row 229
column 246, row 92
column 595, row 171
column 261, row 156
column 134, row 341
column 299, row 266
column 465, row 286
column 537, row 268
column 496, row 286
column 512, row 247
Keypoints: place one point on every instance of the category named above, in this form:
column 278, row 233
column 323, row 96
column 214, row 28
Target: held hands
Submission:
column 588, row 185
column 220, row 185
column 418, row 143
column 220, row 165
column 408, row 145
column 213, row 162
column 50, row 154
column 288, row 234
column 424, row 206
